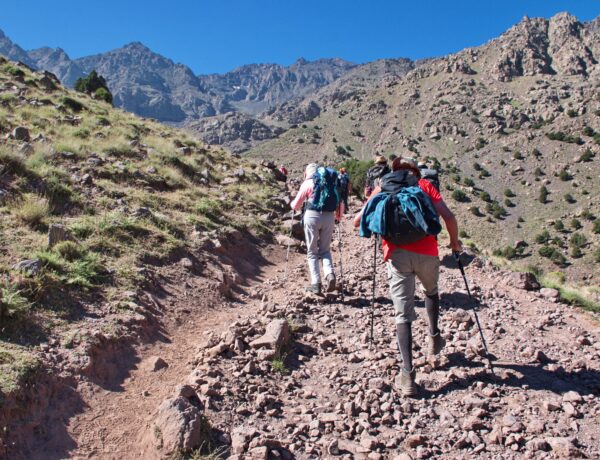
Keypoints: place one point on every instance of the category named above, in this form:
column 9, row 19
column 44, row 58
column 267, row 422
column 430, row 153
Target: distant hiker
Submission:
column 320, row 190
column 284, row 172
column 345, row 186
column 404, row 210
column 375, row 172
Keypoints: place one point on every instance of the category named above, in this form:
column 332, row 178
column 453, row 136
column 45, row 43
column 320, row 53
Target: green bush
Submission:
column 509, row 252
column 596, row 227
column 560, row 136
column 357, row 169
column 553, row 254
column 12, row 302
column 95, row 85
column 577, row 240
column 564, row 175
column 543, row 237
column 543, row 196
column 559, row 226
column 103, row 94
column 586, row 156
column 495, row 209
column 460, row 196
column 469, row 182
column 587, row 131
column 575, row 223
column 475, row 211
column 32, row 210
column 597, row 255
column 485, row 196
column 509, row 193
column 72, row 104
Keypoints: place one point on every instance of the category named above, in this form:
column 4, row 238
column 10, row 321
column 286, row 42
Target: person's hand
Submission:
column 456, row 246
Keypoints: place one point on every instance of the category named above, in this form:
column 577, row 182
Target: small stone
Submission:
column 550, row 293
column 416, row 440
column 572, row 397
column 154, row 364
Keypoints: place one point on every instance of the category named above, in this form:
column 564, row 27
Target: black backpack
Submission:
column 407, row 200
column 376, row 172
column 432, row 176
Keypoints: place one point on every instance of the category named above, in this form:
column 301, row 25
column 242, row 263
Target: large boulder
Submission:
column 523, row 280
column 276, row 337
column 20, row 133
column 179, row 426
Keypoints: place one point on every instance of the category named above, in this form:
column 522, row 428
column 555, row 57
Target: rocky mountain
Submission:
column 238, row 131
column 150, row 85
column 58, row 62
column 255, row 88
column 13, row 51
column 504, row 121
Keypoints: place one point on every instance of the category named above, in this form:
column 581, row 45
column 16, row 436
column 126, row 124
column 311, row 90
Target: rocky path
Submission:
column 329, row 393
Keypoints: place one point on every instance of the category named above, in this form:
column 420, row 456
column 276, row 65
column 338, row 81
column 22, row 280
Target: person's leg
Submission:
column 428, row 270
column 312, row 246
column 325, row 236
column 404, row 340
column 402, row 290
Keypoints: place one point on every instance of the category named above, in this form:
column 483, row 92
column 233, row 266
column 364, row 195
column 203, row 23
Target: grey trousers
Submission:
column 318, row 228
column 402, row 267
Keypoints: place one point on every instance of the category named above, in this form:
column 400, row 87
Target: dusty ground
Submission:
column 333, row 393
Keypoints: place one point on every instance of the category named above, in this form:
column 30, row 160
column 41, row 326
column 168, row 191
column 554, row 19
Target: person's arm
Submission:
column 303, row 194
column 357, row 218
column 451, row 224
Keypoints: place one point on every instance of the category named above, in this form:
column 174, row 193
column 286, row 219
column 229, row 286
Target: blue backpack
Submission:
column 326, row 191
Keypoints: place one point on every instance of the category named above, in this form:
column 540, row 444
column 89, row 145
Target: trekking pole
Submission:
column 287, row 255
column 456, row 255
column 374, row 284
column 339, row 232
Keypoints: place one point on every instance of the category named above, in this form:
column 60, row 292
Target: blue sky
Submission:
column 219, row 35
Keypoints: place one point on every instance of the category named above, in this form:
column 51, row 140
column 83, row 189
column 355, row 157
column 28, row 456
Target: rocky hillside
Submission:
column 513, row 124
column 94, row 203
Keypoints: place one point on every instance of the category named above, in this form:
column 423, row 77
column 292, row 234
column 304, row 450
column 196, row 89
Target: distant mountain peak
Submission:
column 137, row 46
column 301, row 61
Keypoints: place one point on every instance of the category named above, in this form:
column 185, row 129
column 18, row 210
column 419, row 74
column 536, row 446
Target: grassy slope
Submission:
column 405, row 121
column 132, row 163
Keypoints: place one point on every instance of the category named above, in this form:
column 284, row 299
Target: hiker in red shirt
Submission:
column 404, row 263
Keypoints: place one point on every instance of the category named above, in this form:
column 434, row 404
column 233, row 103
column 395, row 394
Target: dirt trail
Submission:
column 334, row 396
column 117, row 412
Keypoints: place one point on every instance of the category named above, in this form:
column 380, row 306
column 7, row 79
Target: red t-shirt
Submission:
column 428, row 245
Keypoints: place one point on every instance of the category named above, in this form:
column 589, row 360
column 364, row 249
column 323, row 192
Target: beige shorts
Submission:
column 402, row 268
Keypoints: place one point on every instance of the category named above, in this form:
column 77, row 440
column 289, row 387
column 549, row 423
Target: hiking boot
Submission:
column 330, row 282
column 405, row 383
column 436, row 344
column 314, row 288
